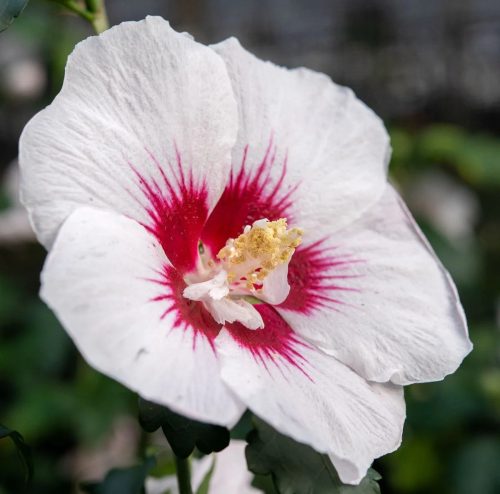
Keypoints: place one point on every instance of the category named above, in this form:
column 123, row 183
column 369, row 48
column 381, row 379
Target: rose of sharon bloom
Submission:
column 222, row 236
column 229, row 475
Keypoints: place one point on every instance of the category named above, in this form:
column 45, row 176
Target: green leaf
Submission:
column 473, row 156
column 122, row 480
column 440, row 142
column 183, row 434
column 244, row 426
column 23, row 450
column 9, row 10
column 297, row 468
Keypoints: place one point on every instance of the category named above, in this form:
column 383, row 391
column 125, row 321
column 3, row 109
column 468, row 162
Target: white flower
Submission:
column 164, row 169
column 229, row 475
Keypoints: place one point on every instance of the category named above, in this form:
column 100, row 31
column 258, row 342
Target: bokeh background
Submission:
column 431, row 69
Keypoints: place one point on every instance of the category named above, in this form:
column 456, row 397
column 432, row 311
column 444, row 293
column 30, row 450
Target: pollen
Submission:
column 259, row 249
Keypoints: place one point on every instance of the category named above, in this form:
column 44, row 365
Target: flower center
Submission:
column 255, row 264
column 258, row 250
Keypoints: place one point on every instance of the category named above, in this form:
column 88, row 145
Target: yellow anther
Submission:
column 260, row 249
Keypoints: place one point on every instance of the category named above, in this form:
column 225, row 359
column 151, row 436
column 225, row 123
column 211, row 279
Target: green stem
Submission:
column 100, row 22
column 76, row 8
column 95, row 12
column 183, row 475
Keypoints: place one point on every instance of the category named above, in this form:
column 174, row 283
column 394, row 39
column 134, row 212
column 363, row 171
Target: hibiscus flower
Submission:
column 222, row 236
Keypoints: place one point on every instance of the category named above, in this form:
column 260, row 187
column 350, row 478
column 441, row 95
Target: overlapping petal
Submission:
column 307, row 149
column 311, row 397
column 100, row 280
column 379, row 299
column 143, row 125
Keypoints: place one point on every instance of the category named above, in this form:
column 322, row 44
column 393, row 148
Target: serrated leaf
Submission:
column 9, row 10
column 183, row 434
column 122, row 480
column 297, row 468
column 23, row 450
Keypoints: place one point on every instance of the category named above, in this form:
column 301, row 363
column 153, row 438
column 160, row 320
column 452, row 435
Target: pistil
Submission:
column 260, row 249
column 255, row 264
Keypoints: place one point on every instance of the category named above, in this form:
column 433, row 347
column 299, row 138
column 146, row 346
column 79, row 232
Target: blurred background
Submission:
column 431, row 70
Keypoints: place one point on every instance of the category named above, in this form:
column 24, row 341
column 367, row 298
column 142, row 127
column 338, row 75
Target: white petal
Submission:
column 275, row 288
column 97, row 279
column 399, row 317
column 231, row 474
column 235, row 310
column 138, row 96
column 336, row 149
column 214, row 288
column 317, row 400
column 161, row 486
column 200, row 469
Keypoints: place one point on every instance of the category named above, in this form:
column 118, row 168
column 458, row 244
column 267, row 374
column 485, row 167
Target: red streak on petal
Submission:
column 187, row 313
column 250, row 195
column 273, row 344
column 312, row 274
column 177, row 208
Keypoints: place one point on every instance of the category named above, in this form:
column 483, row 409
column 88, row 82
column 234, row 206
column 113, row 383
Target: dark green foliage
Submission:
column 297, row 468
column 23, row 450
column 473, row 156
